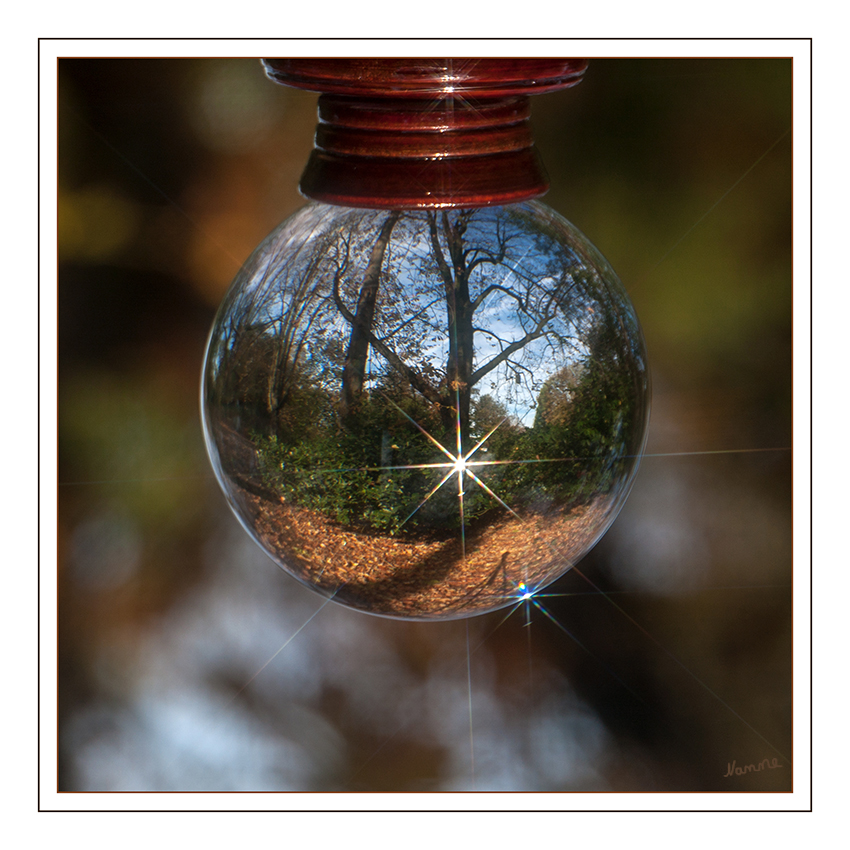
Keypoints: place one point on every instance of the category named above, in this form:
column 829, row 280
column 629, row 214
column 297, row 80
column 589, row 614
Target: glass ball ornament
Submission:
column 427, row 413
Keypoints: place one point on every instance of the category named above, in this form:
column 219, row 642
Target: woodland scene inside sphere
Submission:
column 430, row 413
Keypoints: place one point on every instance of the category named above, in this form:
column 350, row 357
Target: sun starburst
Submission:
column 458, row 465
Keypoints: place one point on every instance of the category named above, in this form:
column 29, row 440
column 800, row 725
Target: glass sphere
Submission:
column 426, row 414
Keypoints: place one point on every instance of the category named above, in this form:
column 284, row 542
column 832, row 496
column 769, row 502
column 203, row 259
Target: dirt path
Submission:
column 425, row 577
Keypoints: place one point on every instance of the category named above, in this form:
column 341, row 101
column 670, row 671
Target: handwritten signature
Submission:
column 770, row 764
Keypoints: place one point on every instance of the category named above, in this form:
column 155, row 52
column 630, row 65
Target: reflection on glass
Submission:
column 426, row 414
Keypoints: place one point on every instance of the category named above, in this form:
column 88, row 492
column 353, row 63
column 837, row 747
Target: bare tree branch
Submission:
column 539, row 331
column 411, row 375
column 442, row 265
column 497, row 286
column 412, row 319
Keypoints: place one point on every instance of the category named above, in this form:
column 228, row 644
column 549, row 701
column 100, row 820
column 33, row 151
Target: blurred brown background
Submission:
column 170, row 172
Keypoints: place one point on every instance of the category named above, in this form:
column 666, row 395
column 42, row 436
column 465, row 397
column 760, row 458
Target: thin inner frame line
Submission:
column 481, row 463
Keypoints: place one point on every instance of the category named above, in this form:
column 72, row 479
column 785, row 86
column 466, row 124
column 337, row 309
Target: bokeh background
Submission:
column 188, row 661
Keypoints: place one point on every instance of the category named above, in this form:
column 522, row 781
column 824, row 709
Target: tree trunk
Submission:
column 459, row 365
column 354, row 369
column 459, row 311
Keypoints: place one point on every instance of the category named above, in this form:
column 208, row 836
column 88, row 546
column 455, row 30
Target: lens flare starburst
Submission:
column 458, row 465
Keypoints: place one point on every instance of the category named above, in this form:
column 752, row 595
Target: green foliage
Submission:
column 329, row 476
column 369, row 472
column 581, row 420
column 350, row 474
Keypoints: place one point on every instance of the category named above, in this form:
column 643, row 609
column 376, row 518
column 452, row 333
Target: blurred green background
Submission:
column 170, row 172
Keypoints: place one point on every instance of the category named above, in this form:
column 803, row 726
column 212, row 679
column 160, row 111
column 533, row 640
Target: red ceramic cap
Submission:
column 412, row 133
column 405, row 77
